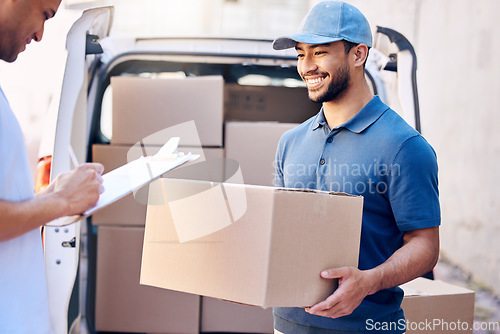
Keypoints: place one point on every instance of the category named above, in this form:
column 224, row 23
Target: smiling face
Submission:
column 22, row 21
column 325, row 70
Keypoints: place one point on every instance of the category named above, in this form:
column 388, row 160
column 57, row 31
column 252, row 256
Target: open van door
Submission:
column 62, row 244
column 392, row 72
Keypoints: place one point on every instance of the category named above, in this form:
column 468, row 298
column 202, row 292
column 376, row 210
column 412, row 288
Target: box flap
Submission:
column 426, row 287
column 317, row 191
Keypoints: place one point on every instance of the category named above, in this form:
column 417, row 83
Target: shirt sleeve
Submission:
column 278, row 165
column 413, row 186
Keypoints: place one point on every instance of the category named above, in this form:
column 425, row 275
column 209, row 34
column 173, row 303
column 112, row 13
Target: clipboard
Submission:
column 126, row 179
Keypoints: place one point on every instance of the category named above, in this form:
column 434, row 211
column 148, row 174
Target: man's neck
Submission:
column 341, row 110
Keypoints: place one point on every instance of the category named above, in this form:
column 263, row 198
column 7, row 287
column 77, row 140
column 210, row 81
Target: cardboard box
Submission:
column 219, row 316
column 253, row 145
column 131, row 211
column 437, row 307
column 143, row 107
column 122, row 304
column 254, row 245
column 268, row 103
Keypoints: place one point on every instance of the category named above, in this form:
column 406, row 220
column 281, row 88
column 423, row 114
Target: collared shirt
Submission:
column 377, row 155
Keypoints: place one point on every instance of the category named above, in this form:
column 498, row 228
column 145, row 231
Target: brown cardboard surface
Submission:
column 271, row 256
column 122, row 304
column 268, row 103
column 222, row 316
column 253, row 145
column 143, row 106
column 428, row 301
column 131, row 212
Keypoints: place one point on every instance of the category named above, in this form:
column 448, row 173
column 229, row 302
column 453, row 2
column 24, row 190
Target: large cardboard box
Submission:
column 131, row 210
column 253, row 145
column 268, row 103
column 122, row 304
column 437, row 307
column 144, row 106
column 250, row 244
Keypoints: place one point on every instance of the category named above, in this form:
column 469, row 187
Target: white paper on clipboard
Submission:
column 125, row 179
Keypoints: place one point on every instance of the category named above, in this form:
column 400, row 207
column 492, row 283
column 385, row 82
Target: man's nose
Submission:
column 37, row 36
column 308, row 65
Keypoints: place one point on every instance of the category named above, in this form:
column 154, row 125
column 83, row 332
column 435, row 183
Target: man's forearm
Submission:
column 69, row 194
column 17, row 218
column 418, row 256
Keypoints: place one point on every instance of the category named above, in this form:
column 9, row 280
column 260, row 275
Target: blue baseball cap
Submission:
column 329, row 21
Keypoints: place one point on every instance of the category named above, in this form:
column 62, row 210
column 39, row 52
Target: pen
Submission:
column 72, row 155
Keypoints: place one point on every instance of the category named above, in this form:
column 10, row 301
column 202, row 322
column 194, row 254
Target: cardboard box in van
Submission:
column 144, row 106
column 122, row 304
column 253, row 145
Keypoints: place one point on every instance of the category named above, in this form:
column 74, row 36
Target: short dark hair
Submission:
column 349, row 45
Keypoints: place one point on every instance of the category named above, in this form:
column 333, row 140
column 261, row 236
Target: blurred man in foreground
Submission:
column 23, row 292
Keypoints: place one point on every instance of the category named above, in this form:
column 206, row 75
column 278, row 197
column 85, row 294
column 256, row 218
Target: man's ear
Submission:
column 360, row 53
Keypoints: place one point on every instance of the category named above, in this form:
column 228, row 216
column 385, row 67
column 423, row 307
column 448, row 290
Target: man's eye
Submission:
column 319, row 52
column 300, row 56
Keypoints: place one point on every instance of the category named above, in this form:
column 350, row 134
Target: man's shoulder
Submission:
column 395, row 134
column 393, row 127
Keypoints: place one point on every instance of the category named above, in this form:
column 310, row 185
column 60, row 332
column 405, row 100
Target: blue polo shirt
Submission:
column 377, row 155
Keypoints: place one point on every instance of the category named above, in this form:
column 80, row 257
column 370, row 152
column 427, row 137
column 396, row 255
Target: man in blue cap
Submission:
column 357, row 144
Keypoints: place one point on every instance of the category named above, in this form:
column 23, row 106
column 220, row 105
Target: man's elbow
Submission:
column 434, row 248
column 435, row 259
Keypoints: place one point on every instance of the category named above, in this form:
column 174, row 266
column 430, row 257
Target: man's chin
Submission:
column 10, row 59
column 314, row 97
column 14, row 58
